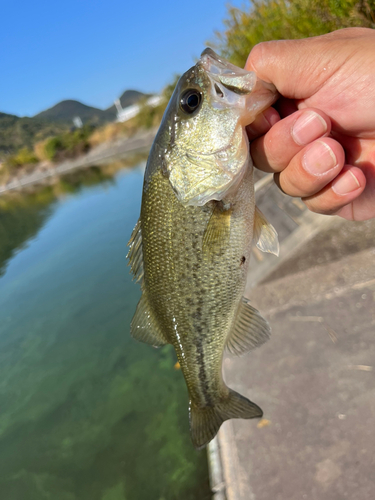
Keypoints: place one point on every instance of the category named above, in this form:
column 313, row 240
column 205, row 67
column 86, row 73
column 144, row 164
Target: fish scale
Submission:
column 191, row 246
column 203, row 291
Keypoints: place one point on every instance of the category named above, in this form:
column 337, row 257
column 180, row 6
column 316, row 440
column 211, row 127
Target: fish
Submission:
column 191, row 246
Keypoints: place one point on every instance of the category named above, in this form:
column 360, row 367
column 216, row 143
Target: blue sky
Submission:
column 94, row 50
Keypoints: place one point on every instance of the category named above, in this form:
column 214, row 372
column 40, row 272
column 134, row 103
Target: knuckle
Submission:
column 320, row 206
column 255, row 57
column 293, row 183
column 259, row 54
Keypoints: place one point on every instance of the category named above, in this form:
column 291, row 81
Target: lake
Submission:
column 86, row 412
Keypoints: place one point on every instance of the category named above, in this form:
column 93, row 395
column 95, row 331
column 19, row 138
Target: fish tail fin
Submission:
column 205, row 422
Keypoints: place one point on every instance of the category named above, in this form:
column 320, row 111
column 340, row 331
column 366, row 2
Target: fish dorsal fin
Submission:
column 249, row 331
column 217, row 232
column 144, row 327
column 265, row 234
column 135, row 254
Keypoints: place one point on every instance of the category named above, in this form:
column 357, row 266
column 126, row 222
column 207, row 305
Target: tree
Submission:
column 260, row 21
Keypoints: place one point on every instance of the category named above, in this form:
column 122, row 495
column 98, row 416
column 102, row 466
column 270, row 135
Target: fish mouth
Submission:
column 236, row 79
column 239, row 82
column 214, row 64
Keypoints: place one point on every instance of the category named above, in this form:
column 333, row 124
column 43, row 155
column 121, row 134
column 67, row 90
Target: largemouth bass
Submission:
column 191, row 246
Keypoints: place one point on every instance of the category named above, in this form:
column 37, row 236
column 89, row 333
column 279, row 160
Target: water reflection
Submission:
column 86, row 412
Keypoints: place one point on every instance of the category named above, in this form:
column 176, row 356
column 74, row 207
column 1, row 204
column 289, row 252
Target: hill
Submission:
column 130, row 97
column 65, row 111
column 127, row 98
column 16, row 132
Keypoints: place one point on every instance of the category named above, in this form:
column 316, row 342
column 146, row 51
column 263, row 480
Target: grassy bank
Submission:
column 72, row 144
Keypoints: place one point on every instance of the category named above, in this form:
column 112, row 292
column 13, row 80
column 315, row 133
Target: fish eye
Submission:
column 190, row 101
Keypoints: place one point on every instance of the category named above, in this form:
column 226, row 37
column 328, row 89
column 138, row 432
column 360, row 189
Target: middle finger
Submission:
column 312, row 169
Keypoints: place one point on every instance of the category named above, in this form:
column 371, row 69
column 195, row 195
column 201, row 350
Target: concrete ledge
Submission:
column 314, row 381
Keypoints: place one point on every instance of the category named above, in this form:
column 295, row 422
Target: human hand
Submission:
column 321, row 143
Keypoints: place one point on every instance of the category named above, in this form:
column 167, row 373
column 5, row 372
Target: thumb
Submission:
column 299, row 68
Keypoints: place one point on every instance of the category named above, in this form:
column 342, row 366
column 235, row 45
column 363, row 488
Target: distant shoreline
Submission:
column 100, row 155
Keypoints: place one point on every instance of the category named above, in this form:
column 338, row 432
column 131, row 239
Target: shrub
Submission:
column 52, row 147
column 265, row 20
column 68, row 145
column 23, row 157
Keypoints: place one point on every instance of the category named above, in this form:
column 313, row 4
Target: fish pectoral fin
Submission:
column 144, row 327
column 217, row 233
column 265, row 234
column 250, row 330
column 205, row 422
column 135, row 254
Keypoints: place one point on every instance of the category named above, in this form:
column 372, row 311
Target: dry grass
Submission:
column 39, row 149
column 111, row 132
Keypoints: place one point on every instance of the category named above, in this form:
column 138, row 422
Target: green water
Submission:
column 86, row 413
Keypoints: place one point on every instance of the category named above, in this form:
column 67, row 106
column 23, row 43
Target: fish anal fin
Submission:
column 217, row 232
column 135, row 254
column 205, row 422
column 250, row 330
column 144, row 327
column 265, row 234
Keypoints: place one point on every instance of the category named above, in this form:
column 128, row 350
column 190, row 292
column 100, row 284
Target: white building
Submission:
column 124, row 114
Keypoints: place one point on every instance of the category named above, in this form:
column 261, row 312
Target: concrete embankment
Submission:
column 315, row 378
column 102, row 154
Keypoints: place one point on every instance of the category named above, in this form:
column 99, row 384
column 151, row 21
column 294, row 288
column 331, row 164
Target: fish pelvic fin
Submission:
column 205, row 422
column 217, row 233
column 265, row 234
column 249, row 331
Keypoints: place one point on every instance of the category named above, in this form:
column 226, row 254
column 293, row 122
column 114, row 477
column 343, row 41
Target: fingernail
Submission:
column 308, row 127
column 346, row 183
column 319, row 159
column 271, row 116
column 263, row 122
